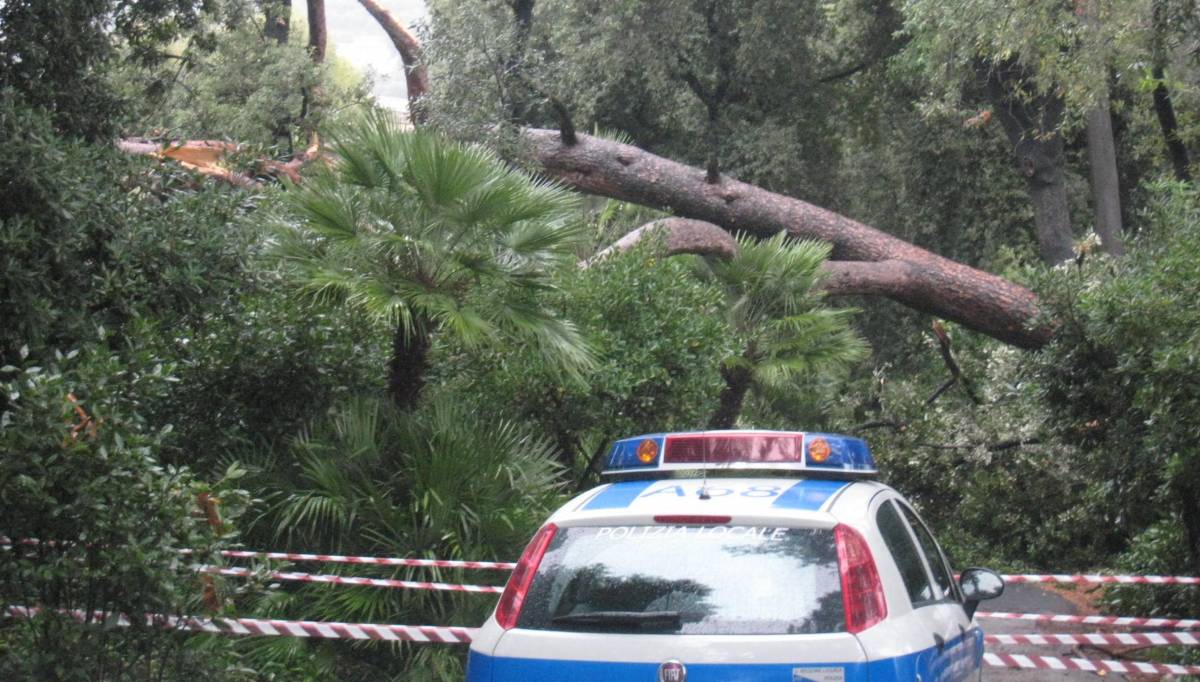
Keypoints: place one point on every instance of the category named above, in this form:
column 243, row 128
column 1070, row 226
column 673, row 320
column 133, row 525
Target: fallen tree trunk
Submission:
column 898, row 270
column 865, row 261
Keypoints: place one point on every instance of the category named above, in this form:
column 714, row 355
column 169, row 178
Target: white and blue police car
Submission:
column 808, row 571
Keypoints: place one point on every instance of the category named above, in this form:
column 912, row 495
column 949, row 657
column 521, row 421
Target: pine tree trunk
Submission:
column 1106, row 185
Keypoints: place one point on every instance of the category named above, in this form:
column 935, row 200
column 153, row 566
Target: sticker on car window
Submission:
column 768, row 533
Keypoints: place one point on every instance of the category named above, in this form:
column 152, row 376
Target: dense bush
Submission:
column 1120, row 379
column 80, row 474
column 659, row 336
column 439, row 482
column 89, row 237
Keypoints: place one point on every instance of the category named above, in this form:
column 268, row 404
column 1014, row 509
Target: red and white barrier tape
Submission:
column 374, row 560
column 1180, row 623
column 353, row 580
column 1100, row 638
column 1085, row 664
column 6, row 543
column 427, row 634
column 1104, row 579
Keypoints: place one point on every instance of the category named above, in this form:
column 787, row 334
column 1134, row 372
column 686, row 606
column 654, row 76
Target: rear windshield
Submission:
column 701, row 580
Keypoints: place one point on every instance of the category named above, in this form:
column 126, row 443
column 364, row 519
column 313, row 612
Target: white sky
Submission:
column 356, row 37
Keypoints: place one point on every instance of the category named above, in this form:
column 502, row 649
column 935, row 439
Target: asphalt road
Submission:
column 1025, row 598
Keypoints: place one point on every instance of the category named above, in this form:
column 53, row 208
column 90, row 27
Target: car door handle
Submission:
column 940, row 642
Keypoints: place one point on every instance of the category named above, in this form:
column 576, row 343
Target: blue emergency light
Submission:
column 813, row 453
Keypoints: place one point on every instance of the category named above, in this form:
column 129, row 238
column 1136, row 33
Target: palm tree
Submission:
column 776, row 307
column 433, row 236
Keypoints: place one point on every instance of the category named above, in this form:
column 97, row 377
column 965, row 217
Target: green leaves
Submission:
column 785, row 331
column 406, row 225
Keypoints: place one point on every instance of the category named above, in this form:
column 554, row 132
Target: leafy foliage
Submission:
column 407, row 224
column 89, row 237
column 658, row 335
column 441, row 482
column 80, row 474
column 1121, row 370
column 60, row 55
column 776, row 310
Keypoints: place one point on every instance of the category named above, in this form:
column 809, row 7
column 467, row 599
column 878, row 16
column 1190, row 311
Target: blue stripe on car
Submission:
column 809, row 495
column 963, row 658
column 618, row 495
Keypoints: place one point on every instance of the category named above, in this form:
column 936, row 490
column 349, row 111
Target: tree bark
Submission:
column 278, row 20
column 920, row 279
column 679, row 235
column 1032, row 128
column 1106, row 185
column 317, row 38
column 317, row 35
column 733, row 396
column 408, row 366
column 416, row 76
column 1165, row 110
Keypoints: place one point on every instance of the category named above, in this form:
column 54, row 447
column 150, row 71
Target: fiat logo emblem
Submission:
column 672, row 671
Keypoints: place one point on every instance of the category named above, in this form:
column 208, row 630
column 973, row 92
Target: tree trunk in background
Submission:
column 278, row 24
column 1106, row 185
column 1186, row 487
column 409, row 365
column 317, row 39
column 733, row 396
column 416, row 76
column 317, row 36
column 1165, row 111
column 1032, row 128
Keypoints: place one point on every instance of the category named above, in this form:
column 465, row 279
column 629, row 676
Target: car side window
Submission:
column 900, row 543
column 933, row 553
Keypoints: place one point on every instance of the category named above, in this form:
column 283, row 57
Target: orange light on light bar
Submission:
column 819, row 450
column 647, row 451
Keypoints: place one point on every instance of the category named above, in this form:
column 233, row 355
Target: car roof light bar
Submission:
column 791, row 451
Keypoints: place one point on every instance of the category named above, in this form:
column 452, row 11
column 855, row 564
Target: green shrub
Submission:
column 80, row 474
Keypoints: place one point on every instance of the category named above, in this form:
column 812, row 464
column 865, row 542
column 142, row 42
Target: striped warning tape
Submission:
column 1085, row 664
column 427, row 634
column 6, row 543
column 353, row 580
column 1100, row 638
column 1104, row 579
column 1180, row 623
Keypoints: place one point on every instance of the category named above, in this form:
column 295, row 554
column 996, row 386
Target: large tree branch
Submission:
column 679, row 236
column 416, row 76
column 925, row 282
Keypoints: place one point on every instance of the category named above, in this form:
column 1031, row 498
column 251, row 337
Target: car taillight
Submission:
column 509, row 608
column 862, row 591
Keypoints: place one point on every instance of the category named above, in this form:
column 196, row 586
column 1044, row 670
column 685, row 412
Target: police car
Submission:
column 776, row 558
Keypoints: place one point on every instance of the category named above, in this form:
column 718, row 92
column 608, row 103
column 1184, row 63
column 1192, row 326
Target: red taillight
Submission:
column 862, row 591
column 693, row 519
column 509, row 608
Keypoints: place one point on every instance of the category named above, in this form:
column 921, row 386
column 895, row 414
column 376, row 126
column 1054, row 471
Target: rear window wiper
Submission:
column 646, row 619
